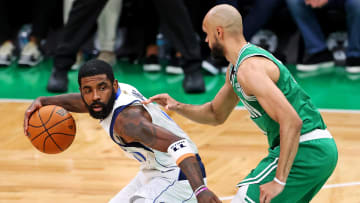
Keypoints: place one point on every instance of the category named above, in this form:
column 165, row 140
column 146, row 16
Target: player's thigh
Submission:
column 166, row 190
column 124, row 196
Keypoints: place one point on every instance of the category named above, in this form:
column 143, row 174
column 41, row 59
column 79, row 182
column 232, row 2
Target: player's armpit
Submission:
column 134, row 124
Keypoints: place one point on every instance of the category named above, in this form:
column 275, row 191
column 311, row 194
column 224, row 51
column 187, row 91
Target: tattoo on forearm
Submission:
column 191, row 168
column 137, row 129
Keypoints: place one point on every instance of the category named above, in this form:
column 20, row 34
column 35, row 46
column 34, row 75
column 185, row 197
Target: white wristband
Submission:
column 180, row 150
column 279, row 182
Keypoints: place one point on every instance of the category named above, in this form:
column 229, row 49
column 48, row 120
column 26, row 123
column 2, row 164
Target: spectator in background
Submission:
column 107, row 30
column 177, row 28
column 107, row 24
column 198, row 10
column 257, row 14
column 42, row 15
column 317, row 53
column 268, row 24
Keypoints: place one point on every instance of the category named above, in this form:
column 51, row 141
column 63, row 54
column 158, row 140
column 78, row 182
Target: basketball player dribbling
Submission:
column 302, row 152
column 171, row 169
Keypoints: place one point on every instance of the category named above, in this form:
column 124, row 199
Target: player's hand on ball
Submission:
column 164, row 100
column 29, row 111
column 207, row 197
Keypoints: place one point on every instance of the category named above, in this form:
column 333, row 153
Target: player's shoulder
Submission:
column 255, row 63
column 126, row 87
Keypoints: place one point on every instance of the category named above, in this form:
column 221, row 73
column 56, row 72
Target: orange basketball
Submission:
column 51, row 129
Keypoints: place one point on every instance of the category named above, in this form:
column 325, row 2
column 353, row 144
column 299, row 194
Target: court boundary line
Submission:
column 354, row 111
column 16, row 100
column 348, row 184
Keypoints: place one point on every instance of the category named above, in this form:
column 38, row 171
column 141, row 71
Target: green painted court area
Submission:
column 330, row 89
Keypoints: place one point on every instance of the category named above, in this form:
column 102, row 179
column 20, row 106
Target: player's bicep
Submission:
column 134, row 124
column 272, row 100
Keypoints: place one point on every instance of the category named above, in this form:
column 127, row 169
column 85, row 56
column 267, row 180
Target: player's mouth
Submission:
column 97, row 108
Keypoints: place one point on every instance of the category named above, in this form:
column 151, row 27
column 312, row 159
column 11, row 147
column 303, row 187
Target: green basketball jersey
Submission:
column 296, row 96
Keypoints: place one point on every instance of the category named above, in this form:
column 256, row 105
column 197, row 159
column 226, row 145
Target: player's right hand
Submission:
column 164, row 100
column 207, row 197
column 29, row 111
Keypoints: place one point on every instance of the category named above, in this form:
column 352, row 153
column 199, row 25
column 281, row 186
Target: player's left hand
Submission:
column 269, row 190
column 207, row 197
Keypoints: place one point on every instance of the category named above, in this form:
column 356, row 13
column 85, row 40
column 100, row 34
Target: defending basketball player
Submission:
column 171, row 168
column 302, row 152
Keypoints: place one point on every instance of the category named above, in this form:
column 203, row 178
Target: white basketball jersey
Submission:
column 148, row 157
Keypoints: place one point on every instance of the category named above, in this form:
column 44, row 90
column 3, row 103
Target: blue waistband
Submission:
column 202, row 168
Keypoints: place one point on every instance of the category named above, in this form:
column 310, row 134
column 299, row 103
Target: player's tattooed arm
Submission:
column 71, row 102
column 134, row 124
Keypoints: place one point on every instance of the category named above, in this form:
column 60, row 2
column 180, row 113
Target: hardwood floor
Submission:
column 94, row 169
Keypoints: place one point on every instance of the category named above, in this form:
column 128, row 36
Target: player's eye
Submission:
column 87, row 90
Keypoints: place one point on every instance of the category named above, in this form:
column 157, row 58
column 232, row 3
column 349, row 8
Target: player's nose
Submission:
column 95, row 96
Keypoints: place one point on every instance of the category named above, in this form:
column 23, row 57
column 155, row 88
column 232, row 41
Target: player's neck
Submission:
column 233, row 50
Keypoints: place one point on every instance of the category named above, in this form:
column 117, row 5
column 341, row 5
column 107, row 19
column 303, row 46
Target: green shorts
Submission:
column 314, row 163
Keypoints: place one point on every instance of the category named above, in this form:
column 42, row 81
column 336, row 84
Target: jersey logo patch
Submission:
column 138, row 95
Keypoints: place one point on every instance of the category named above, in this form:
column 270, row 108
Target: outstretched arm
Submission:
column 134, row 124
column 70, row 102
column 214, row 112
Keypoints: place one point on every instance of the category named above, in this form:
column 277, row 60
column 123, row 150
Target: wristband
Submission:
column 180, row 150
column 279, row 182
column 200, row 189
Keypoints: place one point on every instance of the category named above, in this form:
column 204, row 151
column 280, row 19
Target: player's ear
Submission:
column 219, row 32
column 116, row 84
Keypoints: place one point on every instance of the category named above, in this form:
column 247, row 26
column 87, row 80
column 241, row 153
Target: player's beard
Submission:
column 106, row 108
column 217, row 50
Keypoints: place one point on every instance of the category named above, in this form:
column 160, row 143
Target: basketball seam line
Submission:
column 52, row 111
column 47, row 130
column 51, row 127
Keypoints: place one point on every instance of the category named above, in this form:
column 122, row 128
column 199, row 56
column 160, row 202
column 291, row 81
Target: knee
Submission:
column 353, row 7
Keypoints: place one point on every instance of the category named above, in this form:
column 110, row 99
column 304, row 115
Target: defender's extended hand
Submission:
column 164, row 100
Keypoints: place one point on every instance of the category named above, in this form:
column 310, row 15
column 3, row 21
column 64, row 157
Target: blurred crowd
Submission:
column 311, row 34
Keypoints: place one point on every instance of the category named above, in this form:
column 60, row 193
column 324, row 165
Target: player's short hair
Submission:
column 95, row 67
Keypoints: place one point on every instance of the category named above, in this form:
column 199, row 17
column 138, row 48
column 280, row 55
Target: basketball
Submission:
column 51, row 129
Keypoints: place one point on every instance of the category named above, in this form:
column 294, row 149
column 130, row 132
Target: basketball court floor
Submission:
column 94, row 169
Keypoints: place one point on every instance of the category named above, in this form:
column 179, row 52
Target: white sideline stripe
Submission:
column 16, row 100
column 341, row 185
column 321, row 110
column 324, row 187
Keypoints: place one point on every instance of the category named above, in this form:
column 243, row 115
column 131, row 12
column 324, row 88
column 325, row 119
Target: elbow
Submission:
column 218, row 121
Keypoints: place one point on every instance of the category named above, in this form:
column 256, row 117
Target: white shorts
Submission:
column 156, row 187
